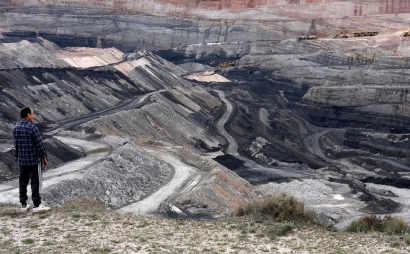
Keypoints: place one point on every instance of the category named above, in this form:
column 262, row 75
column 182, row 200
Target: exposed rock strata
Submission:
column 61, row 91
column 219, row 195
column 160, row 120
column 127, row 25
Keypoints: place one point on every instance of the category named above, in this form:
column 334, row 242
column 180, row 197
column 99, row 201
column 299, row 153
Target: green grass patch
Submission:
column 5, row 231
column 12, row 213
column 27, row 241
column 78, row 204
column 34, row 225
column 143, row 224
column 100, row 250
column 283, row 228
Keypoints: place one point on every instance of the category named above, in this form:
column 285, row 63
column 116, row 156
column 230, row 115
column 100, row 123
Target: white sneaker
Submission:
column 25, row 208
column 40, row 208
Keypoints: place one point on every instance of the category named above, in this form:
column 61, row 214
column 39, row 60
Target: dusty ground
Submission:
column 94, row 230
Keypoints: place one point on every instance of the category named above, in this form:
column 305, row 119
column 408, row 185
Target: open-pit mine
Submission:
column 186, row 108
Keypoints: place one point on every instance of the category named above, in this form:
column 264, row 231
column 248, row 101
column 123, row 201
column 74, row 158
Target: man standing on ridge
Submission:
column 30, row 154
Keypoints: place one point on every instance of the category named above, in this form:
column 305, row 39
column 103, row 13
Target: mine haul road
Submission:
column 184, row 179
column 232, row 148
column 69, row 123
column 312, row 144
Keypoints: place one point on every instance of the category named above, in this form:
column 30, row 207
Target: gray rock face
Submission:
column 63, row 92
column 88, row 27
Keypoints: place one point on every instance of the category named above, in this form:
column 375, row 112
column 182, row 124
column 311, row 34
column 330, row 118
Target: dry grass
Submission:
column 280, row 207
column 386, row 224
column 83, row 226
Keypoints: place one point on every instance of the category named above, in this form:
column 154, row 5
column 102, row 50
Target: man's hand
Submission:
column 45, row 161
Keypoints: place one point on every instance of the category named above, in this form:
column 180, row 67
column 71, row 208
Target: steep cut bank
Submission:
column 129, row 25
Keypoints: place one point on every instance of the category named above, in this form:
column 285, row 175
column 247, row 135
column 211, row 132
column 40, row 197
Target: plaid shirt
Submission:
column 28, row 143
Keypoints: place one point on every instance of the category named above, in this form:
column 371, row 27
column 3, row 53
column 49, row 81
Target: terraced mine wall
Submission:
column 107, row 28
column 134, row 25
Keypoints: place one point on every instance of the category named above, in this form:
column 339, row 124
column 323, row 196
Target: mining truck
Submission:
column 342, row 34
column 227, row 63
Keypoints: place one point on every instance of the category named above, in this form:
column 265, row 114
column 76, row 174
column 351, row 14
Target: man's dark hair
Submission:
column 24, row 112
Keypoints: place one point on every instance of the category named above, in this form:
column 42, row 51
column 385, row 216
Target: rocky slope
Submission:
column 125, row 176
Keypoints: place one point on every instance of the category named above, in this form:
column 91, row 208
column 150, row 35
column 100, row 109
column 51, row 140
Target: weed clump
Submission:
column 281, row 207
column 283, row 228
column 9, row 210
column 384, row 224
column 81, row 204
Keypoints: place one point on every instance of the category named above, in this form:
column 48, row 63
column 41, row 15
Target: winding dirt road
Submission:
column 184, row 179
column 68, row 123
column 233, row 147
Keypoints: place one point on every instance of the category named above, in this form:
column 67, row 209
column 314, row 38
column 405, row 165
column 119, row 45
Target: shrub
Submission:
column 386, row 224
column 357, row 227
column 407, row 239
column 281, row 207
column 397, row 226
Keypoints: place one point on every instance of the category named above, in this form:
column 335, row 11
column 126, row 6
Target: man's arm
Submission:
column 45, row 160
column 15, row 144
column 39, row 144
